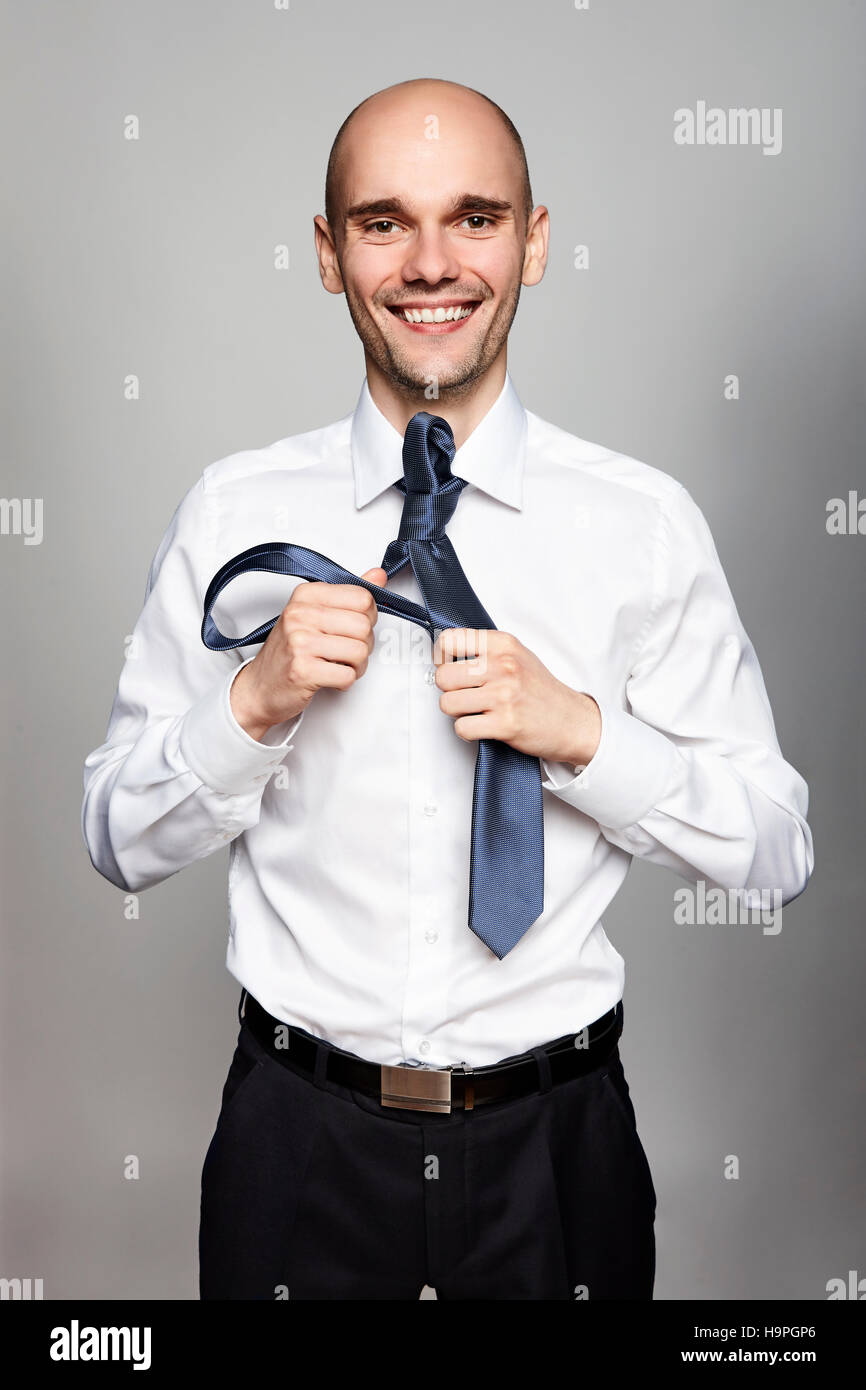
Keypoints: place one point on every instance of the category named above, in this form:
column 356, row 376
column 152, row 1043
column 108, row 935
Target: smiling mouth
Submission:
column 433, row 318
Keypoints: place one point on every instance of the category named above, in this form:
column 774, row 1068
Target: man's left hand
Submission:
column 501, row 690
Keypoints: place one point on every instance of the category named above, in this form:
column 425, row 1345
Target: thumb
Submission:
column 376, row 576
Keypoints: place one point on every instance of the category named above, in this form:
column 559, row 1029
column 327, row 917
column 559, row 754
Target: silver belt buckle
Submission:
column 416, row 1088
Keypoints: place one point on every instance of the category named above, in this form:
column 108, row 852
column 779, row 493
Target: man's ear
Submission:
column 326, row 253
column 535, row 252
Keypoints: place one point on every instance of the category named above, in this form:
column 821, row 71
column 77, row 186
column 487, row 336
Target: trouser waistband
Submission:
column 436, row 1089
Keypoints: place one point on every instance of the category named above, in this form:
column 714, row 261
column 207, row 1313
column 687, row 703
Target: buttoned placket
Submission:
column 426, row 977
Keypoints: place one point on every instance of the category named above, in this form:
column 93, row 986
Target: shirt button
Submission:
column 431, row 937
column 424, row 1047
column 430, row 675
column 430, row 808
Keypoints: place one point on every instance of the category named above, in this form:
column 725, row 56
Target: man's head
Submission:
column 429, row 209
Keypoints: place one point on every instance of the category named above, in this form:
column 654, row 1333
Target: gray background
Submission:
column 156, row 257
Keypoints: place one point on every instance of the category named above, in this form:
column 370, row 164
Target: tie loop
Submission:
column 429, row 488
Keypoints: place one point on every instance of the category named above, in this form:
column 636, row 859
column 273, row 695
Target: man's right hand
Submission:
column 322, row 638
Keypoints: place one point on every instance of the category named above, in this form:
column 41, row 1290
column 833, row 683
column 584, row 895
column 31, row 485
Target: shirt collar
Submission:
column 492, row 458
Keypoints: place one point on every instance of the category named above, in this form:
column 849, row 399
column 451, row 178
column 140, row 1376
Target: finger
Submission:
column 473, row 700
column 334, row 675
column 459, row 675
column 348, row 651
column 473, row 727
column 457, row 643
column 342, row 622
column 470, row 646
column 337, row 596
column 376, row 576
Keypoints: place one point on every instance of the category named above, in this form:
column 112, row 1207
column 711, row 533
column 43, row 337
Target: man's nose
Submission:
column 431, row 259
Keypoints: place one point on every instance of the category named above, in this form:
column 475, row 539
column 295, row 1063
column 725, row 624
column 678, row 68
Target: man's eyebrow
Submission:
column 396, row 207
column 480, row 202
column 376, row 207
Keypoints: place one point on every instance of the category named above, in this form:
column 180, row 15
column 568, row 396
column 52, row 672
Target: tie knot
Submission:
column 430, row 488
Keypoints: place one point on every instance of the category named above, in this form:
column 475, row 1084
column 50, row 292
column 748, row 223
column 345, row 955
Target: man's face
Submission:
column 431, row 242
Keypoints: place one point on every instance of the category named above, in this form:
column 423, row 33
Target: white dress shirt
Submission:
column 350, row 827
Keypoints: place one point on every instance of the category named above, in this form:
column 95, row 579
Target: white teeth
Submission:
column 440, row 315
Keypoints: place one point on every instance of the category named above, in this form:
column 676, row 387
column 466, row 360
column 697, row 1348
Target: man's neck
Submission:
column 463, row 411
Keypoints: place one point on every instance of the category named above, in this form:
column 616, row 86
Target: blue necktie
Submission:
column 506, row 871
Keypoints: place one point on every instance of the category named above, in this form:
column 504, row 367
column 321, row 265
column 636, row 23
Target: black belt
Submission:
column 433, row 1088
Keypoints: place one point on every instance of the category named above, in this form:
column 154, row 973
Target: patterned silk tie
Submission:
column 506, row 871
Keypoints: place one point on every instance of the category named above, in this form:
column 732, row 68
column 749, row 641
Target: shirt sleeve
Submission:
column 177, row 777
column 690, row 774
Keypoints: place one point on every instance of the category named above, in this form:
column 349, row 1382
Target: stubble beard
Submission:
column 412, row 378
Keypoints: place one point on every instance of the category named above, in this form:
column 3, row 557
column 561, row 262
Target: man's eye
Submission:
column 379, row 226
column 478, row 217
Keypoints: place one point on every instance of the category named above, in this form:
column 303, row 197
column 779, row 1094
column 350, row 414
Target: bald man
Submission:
column 414, row 1098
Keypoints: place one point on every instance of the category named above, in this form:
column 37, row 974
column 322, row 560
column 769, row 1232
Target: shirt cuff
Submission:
column 221, row 753
column 630, row 772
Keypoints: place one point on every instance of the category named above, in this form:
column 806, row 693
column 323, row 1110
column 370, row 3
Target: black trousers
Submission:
column 313, row 1191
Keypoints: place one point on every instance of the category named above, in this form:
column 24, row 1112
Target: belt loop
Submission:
column 542, row 1061
column 320, row 1070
